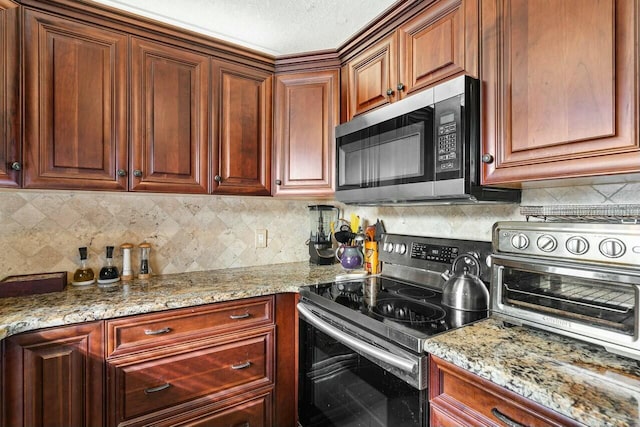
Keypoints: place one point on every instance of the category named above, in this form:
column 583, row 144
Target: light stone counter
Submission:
column 576, row 379
column 85, row 304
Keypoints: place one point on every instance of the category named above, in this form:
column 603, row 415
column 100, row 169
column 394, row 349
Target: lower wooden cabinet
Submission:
column 55, row 377
column 148, row 387
column 459, row 398
column 211, row 365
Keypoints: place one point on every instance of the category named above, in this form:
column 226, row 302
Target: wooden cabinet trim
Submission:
column 10, row 120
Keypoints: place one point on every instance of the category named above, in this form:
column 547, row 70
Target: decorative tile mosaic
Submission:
column 40, row 231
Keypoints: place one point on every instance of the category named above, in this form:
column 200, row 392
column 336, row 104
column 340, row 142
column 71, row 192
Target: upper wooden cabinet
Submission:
column 306, row 113
column 10, row 142
column 169, row 118
column 242, row 115
column 55, row 377
column 440, row 42
column 75, row 104
column 560, row 92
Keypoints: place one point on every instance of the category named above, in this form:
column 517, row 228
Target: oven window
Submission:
column 340, row 388
column 394, row 152
column 608, row 305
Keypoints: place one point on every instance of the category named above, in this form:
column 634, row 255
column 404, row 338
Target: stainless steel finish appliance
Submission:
column 361, row 341
column 422, row 149
column 581, row 280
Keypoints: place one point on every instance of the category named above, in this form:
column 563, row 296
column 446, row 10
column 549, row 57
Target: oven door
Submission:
column 339, row 387
column 594, row 303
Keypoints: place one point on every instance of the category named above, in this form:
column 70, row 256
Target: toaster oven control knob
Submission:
column 612, row 248
column 547, row 243
column 577, row 245
column 519, row 241
column 388, row 247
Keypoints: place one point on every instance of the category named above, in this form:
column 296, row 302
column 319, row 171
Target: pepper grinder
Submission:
column 145, row 249
column 109, row 273
column 127, row 272
column 83, row 275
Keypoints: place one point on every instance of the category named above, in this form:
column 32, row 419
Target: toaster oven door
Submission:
column 581, row 300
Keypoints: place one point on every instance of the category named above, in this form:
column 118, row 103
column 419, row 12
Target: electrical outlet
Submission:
column 261, row 238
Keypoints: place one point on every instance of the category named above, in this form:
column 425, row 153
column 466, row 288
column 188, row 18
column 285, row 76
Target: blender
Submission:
column 322, row 218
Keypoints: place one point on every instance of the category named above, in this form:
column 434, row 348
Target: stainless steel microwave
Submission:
column 424, row 148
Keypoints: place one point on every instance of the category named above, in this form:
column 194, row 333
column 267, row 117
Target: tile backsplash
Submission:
column 40, row 231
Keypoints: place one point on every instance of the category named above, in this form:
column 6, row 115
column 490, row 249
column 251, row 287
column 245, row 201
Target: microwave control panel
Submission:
column 448, row 135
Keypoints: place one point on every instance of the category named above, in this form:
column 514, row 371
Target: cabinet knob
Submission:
column 16, row 166
column 278, row 182
column 389, row 92
column 400, row 86
column 217, row 178
column 137, row 173
column 487, row 158
column 122, row 172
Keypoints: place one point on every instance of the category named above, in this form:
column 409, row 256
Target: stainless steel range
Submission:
column 577, row 279
column 361, row 341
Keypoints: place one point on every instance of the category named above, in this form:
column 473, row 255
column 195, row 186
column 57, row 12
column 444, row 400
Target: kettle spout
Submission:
column 446, row 275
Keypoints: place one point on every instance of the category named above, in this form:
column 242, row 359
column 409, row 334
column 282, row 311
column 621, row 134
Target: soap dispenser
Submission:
column 83, row 275
column 109, row 273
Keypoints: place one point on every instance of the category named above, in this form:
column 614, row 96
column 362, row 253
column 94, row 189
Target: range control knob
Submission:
column 547, row 243
column 612, row 248
column 519, row 241
column 577, row 245
column 401, row 248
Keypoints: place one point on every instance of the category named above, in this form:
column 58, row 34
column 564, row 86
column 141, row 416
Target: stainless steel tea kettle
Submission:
column 465, row 291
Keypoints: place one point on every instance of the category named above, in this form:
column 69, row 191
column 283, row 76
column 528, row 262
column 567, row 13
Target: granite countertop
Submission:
column 84, row 304
column 579, row 380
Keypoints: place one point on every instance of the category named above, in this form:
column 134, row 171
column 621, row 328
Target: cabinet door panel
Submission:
column 306, row 115
column 440, row 42
column 55, row 377
column 75, row 115
column 370, row 75
column 170, row 88
column 242, row 154
column 10, row 142
column 561, row 90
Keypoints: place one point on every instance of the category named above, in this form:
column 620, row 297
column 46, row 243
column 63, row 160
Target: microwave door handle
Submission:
column 382, row 355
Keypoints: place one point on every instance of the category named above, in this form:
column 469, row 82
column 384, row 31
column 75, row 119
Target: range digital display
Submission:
column 444, row 254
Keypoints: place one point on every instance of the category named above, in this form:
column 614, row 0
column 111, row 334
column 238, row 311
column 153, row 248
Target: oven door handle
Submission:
column 380, row 354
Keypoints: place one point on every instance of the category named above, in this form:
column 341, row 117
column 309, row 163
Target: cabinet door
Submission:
column 55, row 377
column 440, row 42
column 75, row 106
column 241, row 155
column 169, row 118
column 372, row 77
column 560, row 89
column 307, row 111
column 10, row 143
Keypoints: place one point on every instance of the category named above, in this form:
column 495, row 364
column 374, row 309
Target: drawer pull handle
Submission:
column 508, row 421
column 239, row 316
column 157, row 389
column 157, row 331
column 241, row 366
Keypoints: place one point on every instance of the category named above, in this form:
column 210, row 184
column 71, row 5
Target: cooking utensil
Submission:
column 344, row 236
column 465, row 291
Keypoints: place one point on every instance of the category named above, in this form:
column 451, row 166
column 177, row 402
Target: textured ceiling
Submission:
column 277, row 27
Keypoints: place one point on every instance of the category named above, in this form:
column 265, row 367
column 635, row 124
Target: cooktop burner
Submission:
column 414, row 292
column 408, row 311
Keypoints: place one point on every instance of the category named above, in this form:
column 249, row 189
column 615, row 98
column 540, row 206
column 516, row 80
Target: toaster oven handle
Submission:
column 382, row 355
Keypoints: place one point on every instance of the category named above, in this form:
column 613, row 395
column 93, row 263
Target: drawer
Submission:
column 185, row 374
column 137, row 333
column 250, row 412
column 458, row 397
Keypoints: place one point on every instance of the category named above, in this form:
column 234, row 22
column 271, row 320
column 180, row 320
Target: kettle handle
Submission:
column 468, row 258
